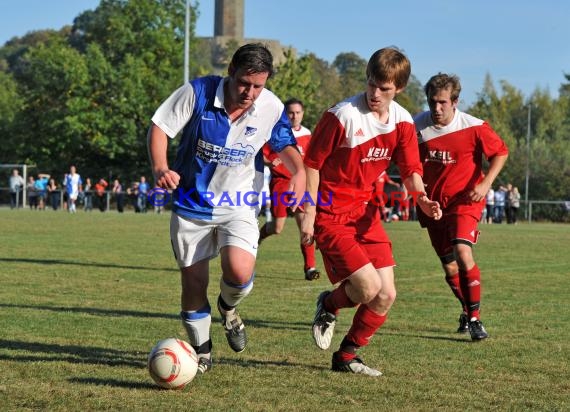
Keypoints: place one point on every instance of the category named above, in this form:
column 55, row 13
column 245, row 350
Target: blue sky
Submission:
column 524, row 42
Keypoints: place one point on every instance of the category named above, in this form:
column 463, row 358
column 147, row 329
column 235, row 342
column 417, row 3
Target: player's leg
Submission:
column 451, row 269
column 439, row 234
column 350, row 264
column 193, row 244
column 278, row 211
column 308, row 252
column 196, row 311
column 469, row 273
column 237, row 239
column 236, row 283
column 274, row 227
column 369, row 317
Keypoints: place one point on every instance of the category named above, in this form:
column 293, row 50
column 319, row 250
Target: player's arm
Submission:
column 292, row 160
column 157, row 143
column 310, row 206
column 495, row 166
column 415, row 185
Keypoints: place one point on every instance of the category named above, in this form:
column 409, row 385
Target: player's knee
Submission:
column 465, row 259
column 233, row 294
column 370, row 292
column 389, row 296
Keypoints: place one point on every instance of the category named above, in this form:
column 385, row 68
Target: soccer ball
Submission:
column 395, row 217
column 172, row 363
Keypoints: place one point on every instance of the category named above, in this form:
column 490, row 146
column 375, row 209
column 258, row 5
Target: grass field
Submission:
column 84, row 297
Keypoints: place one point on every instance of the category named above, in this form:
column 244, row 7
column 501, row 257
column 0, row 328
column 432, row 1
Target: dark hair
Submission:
column 253, row 58
column 443, row 81
column 389, row 65
column 294, row 100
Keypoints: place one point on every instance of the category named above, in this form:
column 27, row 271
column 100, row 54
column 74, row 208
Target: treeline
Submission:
column 84, row 95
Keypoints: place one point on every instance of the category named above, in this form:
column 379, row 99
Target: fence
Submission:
column 547, row 210
column 109, row 199
column 535, row 211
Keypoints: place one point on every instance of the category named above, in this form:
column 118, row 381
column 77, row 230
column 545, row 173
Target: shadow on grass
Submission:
column 460, row 339
column 256, row 363
column 94, row 311
column 256, row 323
column 241, row 363
column 72, row 353
column 115, row 383
column 80, row 263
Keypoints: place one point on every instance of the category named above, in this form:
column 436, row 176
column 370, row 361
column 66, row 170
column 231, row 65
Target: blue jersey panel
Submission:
column 208, row 125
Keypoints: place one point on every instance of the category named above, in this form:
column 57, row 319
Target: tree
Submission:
column 89, row 90
column 351, row 69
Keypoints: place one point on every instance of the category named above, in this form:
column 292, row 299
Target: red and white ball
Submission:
column 172, row 363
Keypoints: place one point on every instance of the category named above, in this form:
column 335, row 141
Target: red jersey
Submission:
column 303, row 136
column 452, row 158
column 351, row 148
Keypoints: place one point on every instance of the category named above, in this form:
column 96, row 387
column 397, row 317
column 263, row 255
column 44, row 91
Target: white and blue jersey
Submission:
column 72, row 183
column 220, row 162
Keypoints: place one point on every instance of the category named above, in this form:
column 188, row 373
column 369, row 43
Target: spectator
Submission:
column 100, row 187
column 41, row 189
column 32, row 193
column 500, row 201
column 88, row 195
column 142, row 194
column 514, row 202
column 133, row 195
column 54, row 194
column 119, row 195
column 490, row 205
column 16, row 186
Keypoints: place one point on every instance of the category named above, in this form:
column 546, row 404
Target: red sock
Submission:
column 308, row 252
column 338, row 299
column 364, row 324
column 453, row 282
column 470, row 281
column 343, row 356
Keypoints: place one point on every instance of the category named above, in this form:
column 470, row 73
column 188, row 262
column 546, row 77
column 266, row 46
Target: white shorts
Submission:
column 194, row 240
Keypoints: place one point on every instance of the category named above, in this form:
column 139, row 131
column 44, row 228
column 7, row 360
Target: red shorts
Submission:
column 279, row 201
column 350, row 241
column 451, row 230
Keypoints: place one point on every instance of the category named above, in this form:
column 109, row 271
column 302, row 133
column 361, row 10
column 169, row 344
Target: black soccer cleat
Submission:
column 477, row 330
column 312, row 274
column 235, row 329
column 204, row 364
column 463, row 323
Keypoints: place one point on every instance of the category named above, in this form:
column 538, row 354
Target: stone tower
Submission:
column 229, row 34
column 228, row 19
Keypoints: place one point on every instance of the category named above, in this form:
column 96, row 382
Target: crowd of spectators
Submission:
column 72, row 192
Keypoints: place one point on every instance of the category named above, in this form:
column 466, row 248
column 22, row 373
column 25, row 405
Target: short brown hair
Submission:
column 443, row 81
column 253, row 58
column 389, row 65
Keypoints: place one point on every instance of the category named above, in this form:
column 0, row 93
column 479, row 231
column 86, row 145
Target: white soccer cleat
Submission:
column 355, row 365
column 323, row 324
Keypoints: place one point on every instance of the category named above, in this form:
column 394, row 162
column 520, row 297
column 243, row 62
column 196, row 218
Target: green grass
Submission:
column 84, row 297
